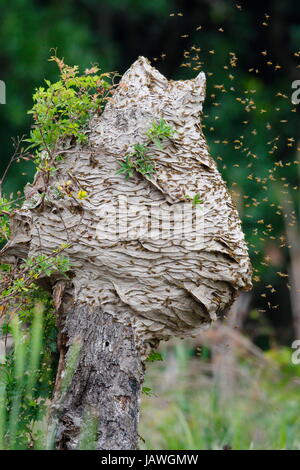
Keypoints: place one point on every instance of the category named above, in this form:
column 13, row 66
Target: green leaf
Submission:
column 147, row 391
column 154, row 356
column 197, row 200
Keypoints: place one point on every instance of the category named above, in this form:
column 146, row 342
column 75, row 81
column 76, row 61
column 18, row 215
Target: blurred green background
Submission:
column 250, row 53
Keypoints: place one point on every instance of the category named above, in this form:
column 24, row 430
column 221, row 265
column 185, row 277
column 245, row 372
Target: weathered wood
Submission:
column 105, row 385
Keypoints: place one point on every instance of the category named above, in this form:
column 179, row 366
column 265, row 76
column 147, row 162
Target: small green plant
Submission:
column 27, row 373
column 20, row 282
column 27, row 369
column 139, row 159
column 62, row 109
column 195, row 200
column 5, row 210
column 158, row 131
column 147, row 391
column 154, row 356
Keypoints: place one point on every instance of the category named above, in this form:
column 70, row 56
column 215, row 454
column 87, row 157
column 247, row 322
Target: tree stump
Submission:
column 129, row 288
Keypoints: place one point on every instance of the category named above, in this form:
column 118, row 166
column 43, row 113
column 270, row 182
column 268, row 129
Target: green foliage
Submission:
column 154, row 356
column 18, row 285
column 27, row 371
column 158, row 131
column 27, row 374
column 139, row 159
column 282, row 357
column 188, row 411
column 196, row 200
column 62, row 109
column 42, row 264
column 5, row 210
column 147, row 391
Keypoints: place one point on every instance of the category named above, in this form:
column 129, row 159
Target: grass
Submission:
column 187, row 410
column 25, row 385
column 255, row 404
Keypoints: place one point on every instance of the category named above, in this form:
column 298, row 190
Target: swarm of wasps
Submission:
column 277, row 181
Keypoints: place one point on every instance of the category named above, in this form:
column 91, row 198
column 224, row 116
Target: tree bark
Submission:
column 106, row 372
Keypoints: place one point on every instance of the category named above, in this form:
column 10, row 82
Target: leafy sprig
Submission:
column 140, row 159
column 62, row 109
column 195, row 200
column 5, row 211
column 21, row 282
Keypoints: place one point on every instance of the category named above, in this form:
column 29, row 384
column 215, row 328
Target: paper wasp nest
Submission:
column 128, row 250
